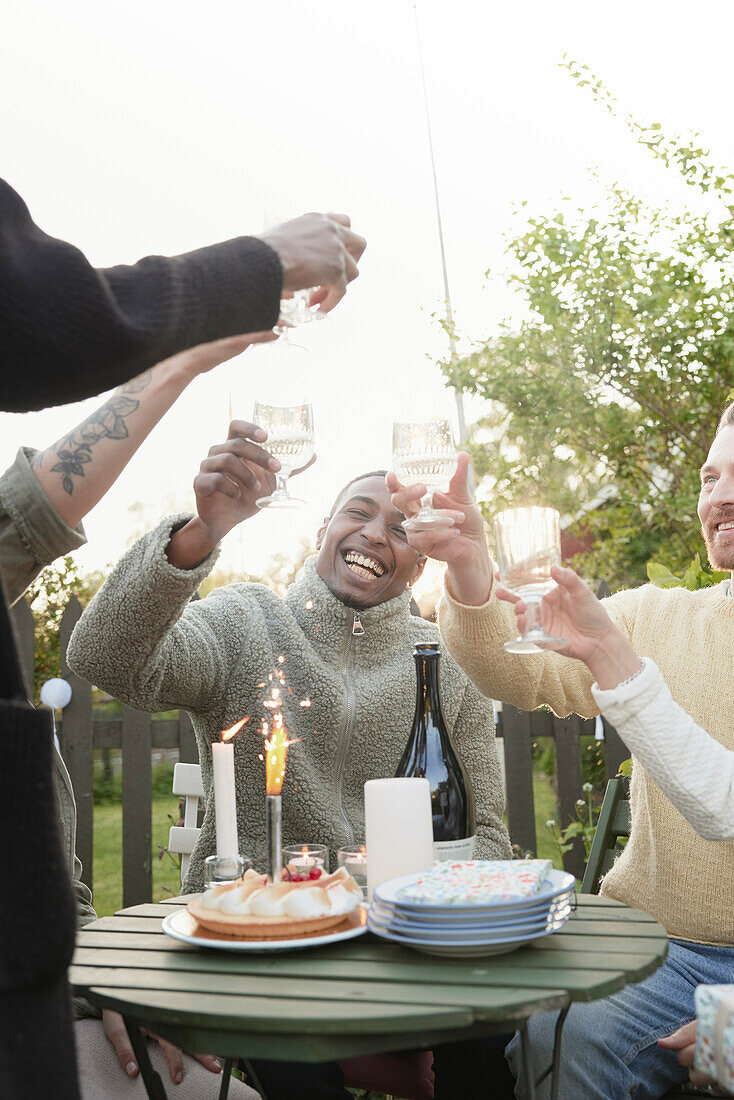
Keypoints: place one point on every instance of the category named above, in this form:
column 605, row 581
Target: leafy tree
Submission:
column 48, row 595
column 611, row 389
column 694, row 577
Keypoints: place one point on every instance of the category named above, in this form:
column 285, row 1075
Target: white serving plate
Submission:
column 445, row 947
column 555, row 883
column 464, row 931
column 180, row 925
column 470, row 917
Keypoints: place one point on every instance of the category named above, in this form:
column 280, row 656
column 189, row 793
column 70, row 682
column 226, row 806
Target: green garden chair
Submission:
column 612, row 828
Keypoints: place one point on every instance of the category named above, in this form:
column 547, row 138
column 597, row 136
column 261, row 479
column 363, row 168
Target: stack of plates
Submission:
column 476, row 929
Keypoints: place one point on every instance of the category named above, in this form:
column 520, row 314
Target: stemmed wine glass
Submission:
column 296, row 311
column 290, row 440
column 528, row 543
column 424, row 451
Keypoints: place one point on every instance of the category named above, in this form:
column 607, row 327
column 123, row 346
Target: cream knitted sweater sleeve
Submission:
column 695, row 772
column 475, row 637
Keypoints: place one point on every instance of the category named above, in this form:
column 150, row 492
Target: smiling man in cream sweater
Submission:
column 610, row 1048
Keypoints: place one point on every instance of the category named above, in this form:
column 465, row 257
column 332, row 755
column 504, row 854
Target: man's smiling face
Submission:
column 716, row 500
column 363, row 554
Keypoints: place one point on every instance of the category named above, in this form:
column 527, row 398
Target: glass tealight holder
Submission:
column 354, row 860
column 306, row 859
column 219, row 870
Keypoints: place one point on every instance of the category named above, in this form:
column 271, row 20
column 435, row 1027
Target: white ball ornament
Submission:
column 56, row 693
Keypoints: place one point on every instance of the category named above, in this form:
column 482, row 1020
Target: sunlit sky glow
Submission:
column 162, row 127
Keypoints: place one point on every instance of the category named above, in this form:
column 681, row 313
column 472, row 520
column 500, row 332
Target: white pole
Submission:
column 447, row 294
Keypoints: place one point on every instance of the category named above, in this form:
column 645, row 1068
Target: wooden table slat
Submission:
column 491, row 999
column 358, row 965
column 264, row 1013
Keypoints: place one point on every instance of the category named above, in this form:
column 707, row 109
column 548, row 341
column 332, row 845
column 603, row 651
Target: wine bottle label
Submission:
column 454, row 849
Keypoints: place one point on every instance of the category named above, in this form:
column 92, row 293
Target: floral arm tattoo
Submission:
column 108, row 422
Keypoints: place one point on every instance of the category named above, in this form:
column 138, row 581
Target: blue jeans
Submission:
column 609, row 1049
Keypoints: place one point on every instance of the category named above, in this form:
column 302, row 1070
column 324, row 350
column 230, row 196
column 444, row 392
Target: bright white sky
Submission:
column 159, row 127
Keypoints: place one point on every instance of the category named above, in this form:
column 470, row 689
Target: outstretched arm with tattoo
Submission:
column 77, row 470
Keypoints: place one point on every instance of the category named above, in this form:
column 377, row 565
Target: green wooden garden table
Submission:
column 362, row 996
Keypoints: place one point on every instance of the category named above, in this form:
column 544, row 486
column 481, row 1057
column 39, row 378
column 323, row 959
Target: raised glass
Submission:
column 295, row 311
column 424, row 451
column 528, row 543
column 290, row 440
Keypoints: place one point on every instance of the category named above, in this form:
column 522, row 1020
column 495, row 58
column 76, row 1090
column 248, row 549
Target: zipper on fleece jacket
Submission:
column 347, row 724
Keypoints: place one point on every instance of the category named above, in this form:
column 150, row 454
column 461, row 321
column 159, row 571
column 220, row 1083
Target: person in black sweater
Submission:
column 68, row 331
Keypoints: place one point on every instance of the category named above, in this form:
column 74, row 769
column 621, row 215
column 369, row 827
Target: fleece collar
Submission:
column 317, row 610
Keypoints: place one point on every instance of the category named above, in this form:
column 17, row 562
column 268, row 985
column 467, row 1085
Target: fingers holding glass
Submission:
column 528, row 545
column 424, row 452
column 302, row 307
column 290, row 442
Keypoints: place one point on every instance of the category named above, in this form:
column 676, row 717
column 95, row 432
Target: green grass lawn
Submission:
column 545, row 808
column 107, row 870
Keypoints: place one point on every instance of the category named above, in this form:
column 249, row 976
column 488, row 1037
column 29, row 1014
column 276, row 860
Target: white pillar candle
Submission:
column 225, row 806
column 398, row 828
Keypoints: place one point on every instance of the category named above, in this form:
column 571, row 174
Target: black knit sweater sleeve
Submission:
column 68, row 331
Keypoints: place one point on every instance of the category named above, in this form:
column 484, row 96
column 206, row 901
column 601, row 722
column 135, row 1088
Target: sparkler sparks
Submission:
column 276, row 750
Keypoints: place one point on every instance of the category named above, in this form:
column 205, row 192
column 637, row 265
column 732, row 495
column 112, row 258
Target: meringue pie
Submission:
column 258, row 909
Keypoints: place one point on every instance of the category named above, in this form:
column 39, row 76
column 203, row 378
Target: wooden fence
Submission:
column 137, row 734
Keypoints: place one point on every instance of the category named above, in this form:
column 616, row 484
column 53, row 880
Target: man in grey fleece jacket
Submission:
column 344, row 632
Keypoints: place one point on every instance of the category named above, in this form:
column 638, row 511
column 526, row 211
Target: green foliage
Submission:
column 694, row 577
column 584, row 825
column 592, row 760
column 48, row 595
column 604, row 400
column 108, row 780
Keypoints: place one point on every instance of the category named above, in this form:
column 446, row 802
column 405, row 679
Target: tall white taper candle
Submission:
column 225, row 805
column 398, row 828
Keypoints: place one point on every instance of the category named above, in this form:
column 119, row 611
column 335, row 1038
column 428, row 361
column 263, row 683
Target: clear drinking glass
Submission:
column 296, row 311
column 354, row 859
column 224, row 869
column 528, row 543
column 290, row 440
column 306, row 858
column 424, row 451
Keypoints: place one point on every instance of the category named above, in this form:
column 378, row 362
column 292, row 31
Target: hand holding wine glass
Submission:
column 318, row 251
column 462, row 546
column 424, row 452
column 290, row 442
column 572, row 611
column 528, row 545
column 230, row 480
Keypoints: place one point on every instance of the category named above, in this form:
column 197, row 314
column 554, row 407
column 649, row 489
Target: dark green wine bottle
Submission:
column 430, row 754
